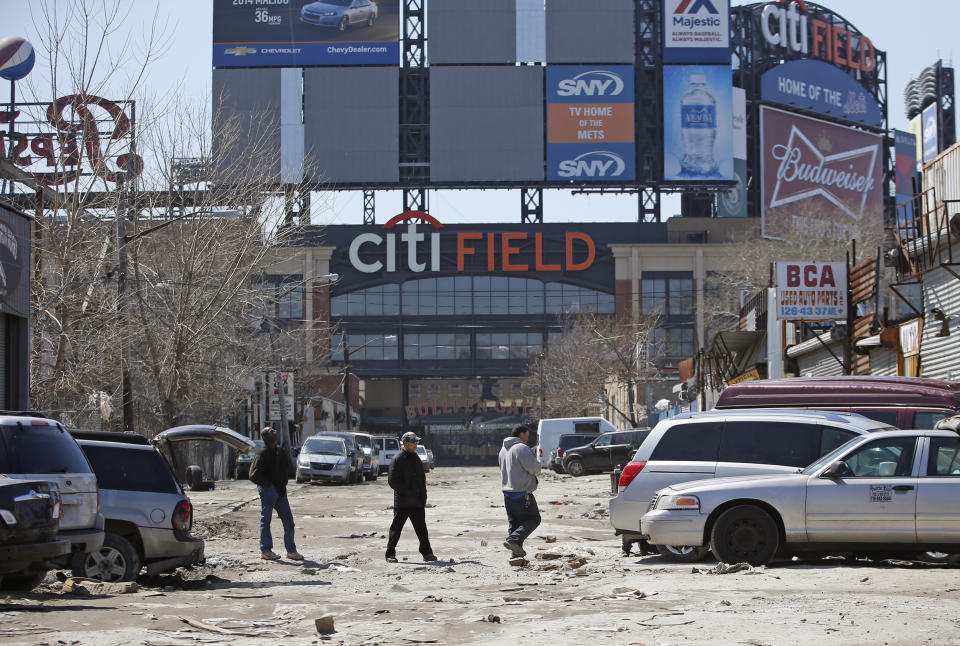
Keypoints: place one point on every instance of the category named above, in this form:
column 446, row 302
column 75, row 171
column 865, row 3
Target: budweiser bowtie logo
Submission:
column 844, row 179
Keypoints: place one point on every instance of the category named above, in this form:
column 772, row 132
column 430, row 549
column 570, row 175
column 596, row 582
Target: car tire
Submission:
column 342, row 25
column 21, row 582
column 116, row 561
column 576, row 468
column 300, row 480
column 371, row 20
column 745, row 534
column 194, row 477
column 682, row 553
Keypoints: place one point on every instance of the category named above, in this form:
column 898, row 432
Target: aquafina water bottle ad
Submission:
column 697, row 123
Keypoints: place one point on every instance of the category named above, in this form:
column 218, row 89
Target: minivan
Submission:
column 550, row 430
column 723, row 443
column 904, row 402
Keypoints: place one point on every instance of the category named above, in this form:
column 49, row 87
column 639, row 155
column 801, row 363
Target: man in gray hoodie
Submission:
column 519, row 469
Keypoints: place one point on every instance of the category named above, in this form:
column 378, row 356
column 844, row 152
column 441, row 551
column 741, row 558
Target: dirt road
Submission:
column 577, row 589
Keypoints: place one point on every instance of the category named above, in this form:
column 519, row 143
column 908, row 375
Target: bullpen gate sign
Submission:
column 811, row 291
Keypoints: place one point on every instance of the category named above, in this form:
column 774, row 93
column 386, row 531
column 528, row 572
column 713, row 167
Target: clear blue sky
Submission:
column 913, row 34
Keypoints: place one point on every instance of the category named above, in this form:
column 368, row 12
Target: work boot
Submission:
column 514, row 547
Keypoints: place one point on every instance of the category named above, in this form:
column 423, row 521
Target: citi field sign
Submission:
column 415, row 245
column 803, row 29
column 419, row 250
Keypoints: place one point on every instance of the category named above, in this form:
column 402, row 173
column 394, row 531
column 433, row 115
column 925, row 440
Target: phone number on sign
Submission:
column 828, row 312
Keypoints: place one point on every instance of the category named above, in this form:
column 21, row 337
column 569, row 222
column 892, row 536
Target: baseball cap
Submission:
column 268, row 431
column 409, row 437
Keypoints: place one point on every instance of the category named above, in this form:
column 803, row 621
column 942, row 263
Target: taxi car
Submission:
column 886, row 494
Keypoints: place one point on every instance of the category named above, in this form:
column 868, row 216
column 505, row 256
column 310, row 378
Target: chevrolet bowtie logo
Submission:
column 240, row 51
column 845, row 179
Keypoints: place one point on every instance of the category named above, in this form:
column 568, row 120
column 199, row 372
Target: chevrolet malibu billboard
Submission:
column 819, row 179
column 303, row 33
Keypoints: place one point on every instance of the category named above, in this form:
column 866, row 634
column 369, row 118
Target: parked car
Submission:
column 370, row 459
column 29, row 520
column 550, row 430
column 353, row 445
column 716, row 444
column 565, row 442
column 340, row 13
column 33, row 448
column 424, row 458
column 886, row 494
column 326, row 459
column 432, row 458
column 904, row 402
column 389, row 446
column 148, row 517
column 242, row 471
column 605, row 453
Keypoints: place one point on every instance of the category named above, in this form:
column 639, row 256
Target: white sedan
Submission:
column 891, row 493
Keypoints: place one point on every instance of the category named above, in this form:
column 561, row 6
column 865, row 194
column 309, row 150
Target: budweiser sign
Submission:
column 818, row 178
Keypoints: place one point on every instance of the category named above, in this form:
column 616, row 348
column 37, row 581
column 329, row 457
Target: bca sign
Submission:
column 811, row 291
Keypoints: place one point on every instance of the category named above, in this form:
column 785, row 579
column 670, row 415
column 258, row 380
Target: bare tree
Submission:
column 147, row 272
column 591, row 350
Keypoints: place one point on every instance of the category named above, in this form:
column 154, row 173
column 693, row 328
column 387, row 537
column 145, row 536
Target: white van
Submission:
column 550, row 430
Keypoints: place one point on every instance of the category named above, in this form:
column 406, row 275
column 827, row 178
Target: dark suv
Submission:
column 564, row 444
column 608, row 451
column 29, row 519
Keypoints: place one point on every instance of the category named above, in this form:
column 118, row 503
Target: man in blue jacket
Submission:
column 519, row 469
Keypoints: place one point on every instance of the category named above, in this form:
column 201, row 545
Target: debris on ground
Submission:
column 730, row 568
column 324, row 625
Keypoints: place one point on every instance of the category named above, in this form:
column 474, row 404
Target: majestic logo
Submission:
column 373, row 252
column 596, row 163
column 592, row 83
column 697, row 6
column 240, row 50
column 845, row 179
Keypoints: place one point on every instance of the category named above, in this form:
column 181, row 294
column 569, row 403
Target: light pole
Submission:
column 542, row 397
column 346, row 370
column 274, row 355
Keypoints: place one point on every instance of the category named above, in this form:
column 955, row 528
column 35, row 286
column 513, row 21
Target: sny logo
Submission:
column 596, row 163
column 592, row 83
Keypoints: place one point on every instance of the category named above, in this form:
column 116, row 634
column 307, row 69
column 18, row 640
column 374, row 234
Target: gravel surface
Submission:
column 574, row 587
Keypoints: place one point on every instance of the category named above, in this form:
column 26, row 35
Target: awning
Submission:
column 869, row 342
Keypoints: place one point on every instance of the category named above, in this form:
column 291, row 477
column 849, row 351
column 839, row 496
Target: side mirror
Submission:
column 836, row 469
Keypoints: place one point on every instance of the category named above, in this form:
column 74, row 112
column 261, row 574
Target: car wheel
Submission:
column 682, row 553
column 575, row 468
column 342, row 25
column 300, row 480
column 21, row 582
column 194, row 477
column 372, row 19
column 117, row 560
column 745, row 534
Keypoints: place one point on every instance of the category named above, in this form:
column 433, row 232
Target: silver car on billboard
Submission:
column 340, row 14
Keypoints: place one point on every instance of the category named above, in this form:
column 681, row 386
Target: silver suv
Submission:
column 33, row 448
column 389, row 447
column 717, row 444
column 148, row 517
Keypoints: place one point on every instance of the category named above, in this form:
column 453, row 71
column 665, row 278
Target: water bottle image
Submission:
column 698, row 128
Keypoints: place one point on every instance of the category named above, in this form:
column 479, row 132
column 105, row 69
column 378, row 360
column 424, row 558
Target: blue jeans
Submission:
column 523, row 516
column 270, row 500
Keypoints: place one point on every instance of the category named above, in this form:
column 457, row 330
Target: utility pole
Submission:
column 125, row 208
column 346, row 380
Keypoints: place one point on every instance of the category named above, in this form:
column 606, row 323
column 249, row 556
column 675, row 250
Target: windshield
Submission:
column 833, row 455
column 338, row 3
column 325, row 447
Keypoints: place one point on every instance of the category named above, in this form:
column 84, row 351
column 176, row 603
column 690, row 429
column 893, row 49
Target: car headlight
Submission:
column 303, row 460
column 678, row 501
column 328, row 13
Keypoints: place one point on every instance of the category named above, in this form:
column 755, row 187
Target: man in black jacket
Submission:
column 409, row 484
column 270, row 469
